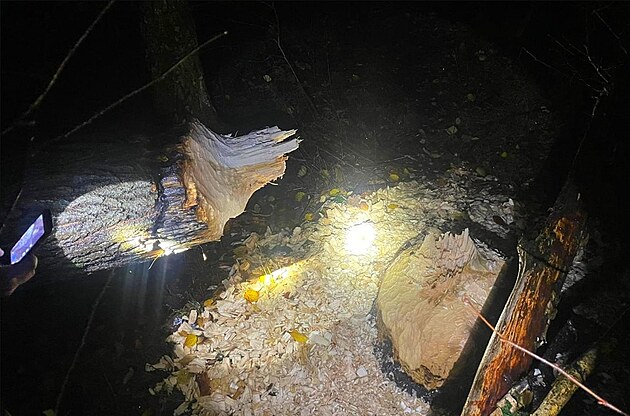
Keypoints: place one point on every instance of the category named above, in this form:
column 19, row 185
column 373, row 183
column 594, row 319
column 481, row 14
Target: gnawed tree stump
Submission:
column 120, row 201
column 421, row 304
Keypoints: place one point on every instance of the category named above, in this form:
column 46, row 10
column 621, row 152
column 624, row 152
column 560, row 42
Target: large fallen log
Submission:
column 543, row 266
column 118, row 201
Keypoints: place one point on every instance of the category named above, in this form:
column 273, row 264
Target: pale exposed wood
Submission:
column 421, row 305
column 221, row 173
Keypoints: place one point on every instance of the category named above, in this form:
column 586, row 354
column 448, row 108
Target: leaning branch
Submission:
column 502, row 338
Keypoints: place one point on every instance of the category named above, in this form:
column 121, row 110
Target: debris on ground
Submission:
column 297, row 330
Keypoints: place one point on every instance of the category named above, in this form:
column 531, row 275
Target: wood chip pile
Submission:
column 293, row 332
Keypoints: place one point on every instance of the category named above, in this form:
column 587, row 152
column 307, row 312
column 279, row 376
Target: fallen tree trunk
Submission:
column 531, row 306
column 120, row 201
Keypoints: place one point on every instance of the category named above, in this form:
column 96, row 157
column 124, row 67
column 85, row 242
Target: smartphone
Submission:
column 35, row 234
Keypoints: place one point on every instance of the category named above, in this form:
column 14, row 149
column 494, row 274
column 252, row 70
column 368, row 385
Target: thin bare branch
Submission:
column 556, row 41
column 545, row 64
column 35, row 105
column 138, row 90
column 77, row 353
column 297, row 79
column 597, row 68
column 596, row 13
column 576, row 73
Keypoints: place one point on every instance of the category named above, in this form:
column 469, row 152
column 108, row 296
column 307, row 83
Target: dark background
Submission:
column 42, row 328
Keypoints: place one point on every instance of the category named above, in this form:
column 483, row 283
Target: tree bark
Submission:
column 562, row 389
column 169, row 32
column 121, row 199
column 531, row 306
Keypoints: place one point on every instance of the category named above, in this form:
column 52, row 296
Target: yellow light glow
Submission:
column 278, row 281
column 360, row 238
column 275, row 276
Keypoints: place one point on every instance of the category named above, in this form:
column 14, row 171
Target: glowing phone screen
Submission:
column 28, row 240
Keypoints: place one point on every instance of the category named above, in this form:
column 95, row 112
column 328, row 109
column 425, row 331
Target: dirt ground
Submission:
column 380, row 94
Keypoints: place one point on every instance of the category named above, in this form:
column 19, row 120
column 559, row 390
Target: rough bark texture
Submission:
column 119, row 200
column 531, row 306
column 169, row 32
column 562, row 389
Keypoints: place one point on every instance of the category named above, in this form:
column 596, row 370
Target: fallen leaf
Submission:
column 251, row 295
column 299, row 196
column 394, row 177
column 325, row 221
column 451, row 130
column 191, row 340
column 299, row 337
column 309, row 216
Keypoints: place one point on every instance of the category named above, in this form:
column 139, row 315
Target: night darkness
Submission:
column 387, row 79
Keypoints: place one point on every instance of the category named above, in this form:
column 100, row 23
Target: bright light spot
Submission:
column 280, row 273
column 279, row 281
column 360, row 238
column 275, row 276
column 170, row 246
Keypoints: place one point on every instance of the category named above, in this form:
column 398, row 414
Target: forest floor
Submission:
column 379, row 96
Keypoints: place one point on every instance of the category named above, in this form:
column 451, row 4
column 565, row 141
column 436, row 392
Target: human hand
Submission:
column 12, row 276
